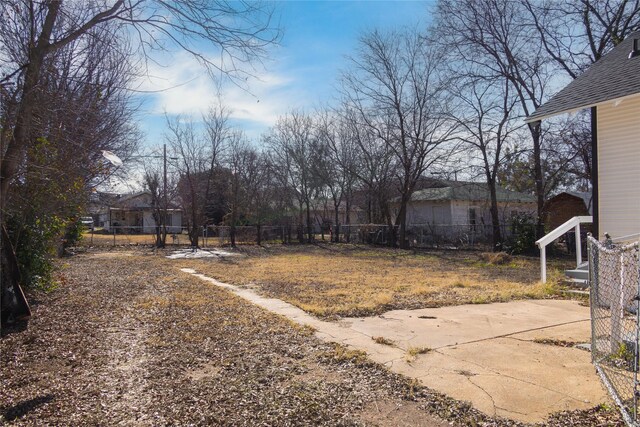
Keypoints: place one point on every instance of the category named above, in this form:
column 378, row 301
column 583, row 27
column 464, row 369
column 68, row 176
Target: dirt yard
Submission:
column 127, row 339
column 352, row 280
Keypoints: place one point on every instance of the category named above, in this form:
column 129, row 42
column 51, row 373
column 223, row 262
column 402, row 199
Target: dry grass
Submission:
column 555, row 342
column 347, row 280
column 383, row 341
column 101, row 239
column 414, row 352
column 496, row 258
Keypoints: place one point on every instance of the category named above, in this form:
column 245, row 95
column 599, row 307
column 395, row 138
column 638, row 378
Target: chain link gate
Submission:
column 614, row 278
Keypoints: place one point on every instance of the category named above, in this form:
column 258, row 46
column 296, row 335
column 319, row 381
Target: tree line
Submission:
column 449, row 99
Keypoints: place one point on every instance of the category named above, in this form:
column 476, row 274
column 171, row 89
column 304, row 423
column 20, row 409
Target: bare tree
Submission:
column 375, row 168
column 193, row 167
column 394, row 87
column 337, row 163
column 484, row 114
column 495, row 37
column 291, row 144
column 153, row 184
column 80, row 109
column 577, row 33
column 161, row 186
column 34, row 33
column 261, row 189
column 240, row 160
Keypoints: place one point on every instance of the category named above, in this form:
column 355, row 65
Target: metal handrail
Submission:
column 556, row 233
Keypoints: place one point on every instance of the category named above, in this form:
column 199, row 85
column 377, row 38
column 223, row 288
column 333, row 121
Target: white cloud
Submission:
column 183, row 87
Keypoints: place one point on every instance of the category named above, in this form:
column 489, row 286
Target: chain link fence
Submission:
column 132, row 235
column 450, row 236
column 615, row 316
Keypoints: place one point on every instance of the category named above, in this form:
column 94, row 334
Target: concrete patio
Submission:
column 485, row 354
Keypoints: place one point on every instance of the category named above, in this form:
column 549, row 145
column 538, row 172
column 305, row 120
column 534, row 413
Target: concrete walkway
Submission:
column 484, row 354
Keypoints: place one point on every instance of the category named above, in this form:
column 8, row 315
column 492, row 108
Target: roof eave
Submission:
column 533, row 118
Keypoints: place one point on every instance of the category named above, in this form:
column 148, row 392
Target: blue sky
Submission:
column 300, row 73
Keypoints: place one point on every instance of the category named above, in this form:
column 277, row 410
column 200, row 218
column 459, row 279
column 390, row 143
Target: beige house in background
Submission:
column 462, row 203
column 133, row 213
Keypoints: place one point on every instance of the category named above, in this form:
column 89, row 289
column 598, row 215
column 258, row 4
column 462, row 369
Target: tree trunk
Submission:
column 402, row 220
column 10, row 163
column 348, row 220
column 534, row 128
column 232, row 234
column 259, row 235
column 336, row 228
column 13, row 304
column 309, row 235
column 194, row 232
column 300, row 225
column 495, row 218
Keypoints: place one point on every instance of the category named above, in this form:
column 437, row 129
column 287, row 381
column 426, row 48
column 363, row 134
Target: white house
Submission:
column 133, row 213
column 463, row 203
column 611, row 89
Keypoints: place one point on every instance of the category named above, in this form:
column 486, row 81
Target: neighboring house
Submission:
column 322, row 212
column 611, row 89
column 133, row 213
column 463, row 203
column 564, row 206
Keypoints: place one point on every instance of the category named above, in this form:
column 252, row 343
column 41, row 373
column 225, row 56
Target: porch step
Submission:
column 577, row 283
column 578, row 274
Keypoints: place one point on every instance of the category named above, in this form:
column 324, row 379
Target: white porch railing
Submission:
column 553, row 235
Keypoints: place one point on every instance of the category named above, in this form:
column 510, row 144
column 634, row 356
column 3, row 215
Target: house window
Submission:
column 472, row 219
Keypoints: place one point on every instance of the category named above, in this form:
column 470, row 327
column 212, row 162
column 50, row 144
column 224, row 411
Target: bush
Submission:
column 523, row 235
column 73, row 232
column 37, row 241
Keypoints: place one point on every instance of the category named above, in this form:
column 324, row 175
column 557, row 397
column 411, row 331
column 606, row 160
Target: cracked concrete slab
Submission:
column 484, row 354
column 467, row 323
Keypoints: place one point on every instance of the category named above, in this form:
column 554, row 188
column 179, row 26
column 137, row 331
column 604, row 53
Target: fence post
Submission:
column 543, row 264
column 617, row 307
column 578, row 245
column 636, row 354
column 114, row 236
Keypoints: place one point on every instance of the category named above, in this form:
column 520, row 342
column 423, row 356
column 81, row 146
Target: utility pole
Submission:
column 164, row 184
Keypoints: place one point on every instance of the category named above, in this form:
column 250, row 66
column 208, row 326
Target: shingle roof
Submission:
column 473, row 191
column 613, row 76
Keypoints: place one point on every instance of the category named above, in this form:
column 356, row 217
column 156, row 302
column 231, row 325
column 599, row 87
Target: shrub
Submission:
column 523, row 235
column 36, row 241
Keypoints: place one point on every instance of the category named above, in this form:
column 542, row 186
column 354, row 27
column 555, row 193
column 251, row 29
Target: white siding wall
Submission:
column 619, row 167
column 429, row 212
column 460, row 212
column 174, row 222
column 456, row 212
column 148, row 223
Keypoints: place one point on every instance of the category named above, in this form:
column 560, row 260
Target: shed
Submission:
column 564, row 206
